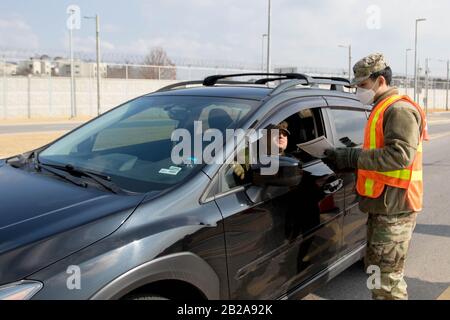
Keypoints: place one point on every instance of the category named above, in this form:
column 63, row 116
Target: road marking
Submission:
column 440, row 135
column 437, row 122
column 33, row 133
column 24, row 124
column 445, row 295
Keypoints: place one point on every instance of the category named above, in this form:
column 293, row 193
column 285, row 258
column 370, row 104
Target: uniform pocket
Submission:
column 392, row 228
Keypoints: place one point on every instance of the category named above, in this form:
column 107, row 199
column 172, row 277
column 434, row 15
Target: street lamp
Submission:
column 97, row 34
column 269, row 36
column 349, row 47
column 406, row 72
column 415, row 59
column 262, row 55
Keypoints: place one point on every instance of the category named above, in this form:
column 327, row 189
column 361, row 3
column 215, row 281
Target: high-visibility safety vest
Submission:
column 371, row 184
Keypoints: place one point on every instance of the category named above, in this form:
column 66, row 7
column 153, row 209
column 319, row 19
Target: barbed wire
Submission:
column 15, row 54
column 118, row 58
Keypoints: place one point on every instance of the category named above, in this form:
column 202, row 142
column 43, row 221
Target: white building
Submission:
column 35, row 67
column 81, row 69
column 7, row 68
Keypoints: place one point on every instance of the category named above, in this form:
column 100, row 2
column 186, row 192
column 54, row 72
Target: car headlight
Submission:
column 23, row 290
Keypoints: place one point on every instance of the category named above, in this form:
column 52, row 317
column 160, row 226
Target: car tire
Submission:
column 151, row 297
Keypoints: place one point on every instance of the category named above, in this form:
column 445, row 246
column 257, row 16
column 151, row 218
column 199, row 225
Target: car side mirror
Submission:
column 289, row 174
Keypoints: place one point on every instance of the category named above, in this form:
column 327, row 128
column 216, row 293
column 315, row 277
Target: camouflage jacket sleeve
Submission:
column 402, row 129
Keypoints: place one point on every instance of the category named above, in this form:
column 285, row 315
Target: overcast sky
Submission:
column 305, row 32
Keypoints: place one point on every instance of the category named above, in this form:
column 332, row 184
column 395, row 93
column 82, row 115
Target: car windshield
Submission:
column 132, row 144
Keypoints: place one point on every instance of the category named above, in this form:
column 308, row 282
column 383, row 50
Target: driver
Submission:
column 281, row 141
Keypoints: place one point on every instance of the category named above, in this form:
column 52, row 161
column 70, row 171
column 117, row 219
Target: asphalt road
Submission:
column 31, row 128
column 440, row 121
column 428, row 265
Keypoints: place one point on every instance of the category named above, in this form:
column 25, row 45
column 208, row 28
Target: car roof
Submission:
column 257, row 93
column 237, row 92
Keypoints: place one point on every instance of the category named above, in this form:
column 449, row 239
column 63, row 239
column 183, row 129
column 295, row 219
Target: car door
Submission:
column 348, row 121
column 276, row 237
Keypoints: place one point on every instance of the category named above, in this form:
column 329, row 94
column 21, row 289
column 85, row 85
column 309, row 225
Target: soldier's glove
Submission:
column 343, row 158
column 239, row 171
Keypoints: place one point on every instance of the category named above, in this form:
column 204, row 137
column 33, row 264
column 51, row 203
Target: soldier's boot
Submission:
column 393, row 287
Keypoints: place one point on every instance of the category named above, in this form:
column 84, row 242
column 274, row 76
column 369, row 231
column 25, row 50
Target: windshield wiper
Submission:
column 102, row 180
column 66, row 177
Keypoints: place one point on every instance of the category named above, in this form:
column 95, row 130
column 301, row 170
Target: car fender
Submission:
column 186, row 267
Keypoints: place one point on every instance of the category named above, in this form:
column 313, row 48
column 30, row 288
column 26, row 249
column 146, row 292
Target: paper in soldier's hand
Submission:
column 316, row 147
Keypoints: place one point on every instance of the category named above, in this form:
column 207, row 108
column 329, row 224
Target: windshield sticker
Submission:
column 173, row 171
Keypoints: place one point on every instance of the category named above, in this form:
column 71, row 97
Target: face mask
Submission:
column 366, row 96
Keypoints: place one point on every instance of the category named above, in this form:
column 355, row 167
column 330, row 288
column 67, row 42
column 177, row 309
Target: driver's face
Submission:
column 281, row 141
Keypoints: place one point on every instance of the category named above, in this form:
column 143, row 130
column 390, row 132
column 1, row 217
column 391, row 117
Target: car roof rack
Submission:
column 184, row 85
column 336, row 83
column 211, row 81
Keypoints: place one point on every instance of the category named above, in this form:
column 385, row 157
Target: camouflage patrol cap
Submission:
column 283, row 126
column 368, row 66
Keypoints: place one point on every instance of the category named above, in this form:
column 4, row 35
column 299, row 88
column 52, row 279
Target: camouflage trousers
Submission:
column 389, row 237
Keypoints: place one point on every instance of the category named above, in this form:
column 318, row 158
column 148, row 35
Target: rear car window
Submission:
column 350, row 126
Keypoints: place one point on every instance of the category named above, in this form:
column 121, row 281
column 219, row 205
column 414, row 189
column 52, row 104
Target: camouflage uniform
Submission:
column 391, row 222
column 388, row 243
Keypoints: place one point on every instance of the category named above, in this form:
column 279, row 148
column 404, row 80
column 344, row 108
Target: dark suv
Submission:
column 104, row 213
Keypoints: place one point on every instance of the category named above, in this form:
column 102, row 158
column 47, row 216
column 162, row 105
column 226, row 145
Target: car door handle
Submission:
column 333, row 187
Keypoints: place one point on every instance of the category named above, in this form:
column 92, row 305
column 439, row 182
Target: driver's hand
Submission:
column 239, row 171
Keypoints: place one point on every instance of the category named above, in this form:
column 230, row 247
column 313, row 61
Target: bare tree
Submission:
column 158, row 58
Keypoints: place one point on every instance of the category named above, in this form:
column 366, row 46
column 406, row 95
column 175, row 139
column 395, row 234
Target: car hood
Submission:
column 43, row 220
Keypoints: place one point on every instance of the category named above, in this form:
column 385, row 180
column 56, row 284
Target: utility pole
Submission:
column 349, row 47
column 448, row 79
column 263, row 49
column 72, row 78
column 427, row 75
column 350, row 63
column 406, row 72
column 97, row 20
column 415, row 60
column 269, row 27
column 74, row 22
column 4, row 88
column 97, row 37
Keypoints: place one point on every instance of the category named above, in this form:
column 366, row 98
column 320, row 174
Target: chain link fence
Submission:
column 432, row 94
column 37, row 92
column 36, row 89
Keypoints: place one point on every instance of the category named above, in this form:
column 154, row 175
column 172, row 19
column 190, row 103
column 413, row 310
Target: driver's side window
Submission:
column 303, row 126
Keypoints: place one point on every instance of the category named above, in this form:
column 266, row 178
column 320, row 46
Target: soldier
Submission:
column 389, row 172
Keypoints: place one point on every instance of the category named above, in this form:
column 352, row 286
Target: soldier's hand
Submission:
column 239, row 171
column 330, row 158
column 342, row 158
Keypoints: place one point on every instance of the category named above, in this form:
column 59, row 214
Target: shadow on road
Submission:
column 351, row 285
column 424, row 290
column 433, row 230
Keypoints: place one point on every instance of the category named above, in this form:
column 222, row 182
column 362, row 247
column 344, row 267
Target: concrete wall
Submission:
column 23, row 97
column 437, row 97
column 36, row 97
